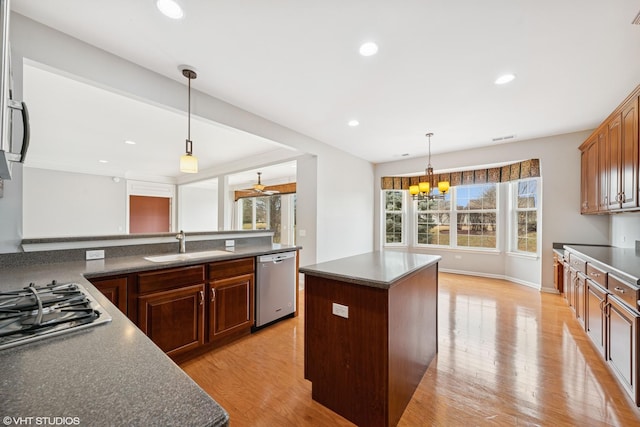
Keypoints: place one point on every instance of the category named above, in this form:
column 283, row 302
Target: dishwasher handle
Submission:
column 276, row 258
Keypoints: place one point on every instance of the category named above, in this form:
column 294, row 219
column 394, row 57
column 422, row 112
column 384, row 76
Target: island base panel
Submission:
column 367, row 366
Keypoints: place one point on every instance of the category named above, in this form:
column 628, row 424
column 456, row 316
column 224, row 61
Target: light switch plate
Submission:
column 340, row 310
column 97, row 254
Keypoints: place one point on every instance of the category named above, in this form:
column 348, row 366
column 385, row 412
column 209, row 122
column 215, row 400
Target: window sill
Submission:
column 523, row 255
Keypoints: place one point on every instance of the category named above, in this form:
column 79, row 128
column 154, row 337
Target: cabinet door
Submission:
column 629, row 156
column 621, row 339
column 579, row 297
column 589, row 177
column 558, row 272
column 603, row 172
column 567, row 283
column 115, row 289
column 173, row 319
column 613, row 166
column 595, row 300
column 230, row 306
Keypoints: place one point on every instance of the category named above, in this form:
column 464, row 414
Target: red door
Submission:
column 149, row 214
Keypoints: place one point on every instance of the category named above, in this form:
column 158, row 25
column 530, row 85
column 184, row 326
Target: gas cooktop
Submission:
column 37, row 312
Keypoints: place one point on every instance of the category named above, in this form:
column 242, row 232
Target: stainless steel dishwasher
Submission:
column 275, row 287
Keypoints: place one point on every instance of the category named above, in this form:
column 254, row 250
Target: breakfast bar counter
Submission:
column 370, row 332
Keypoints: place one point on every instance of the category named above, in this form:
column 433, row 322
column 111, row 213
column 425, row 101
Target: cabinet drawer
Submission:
column 597, row 275
column 171, row 278
column 625, row 291
column 577, row 263
column 231, row 268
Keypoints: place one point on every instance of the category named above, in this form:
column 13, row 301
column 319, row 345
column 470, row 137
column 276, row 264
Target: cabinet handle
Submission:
column 619, row 289
column 594, row 274
column 213, row 294
column 201, row 297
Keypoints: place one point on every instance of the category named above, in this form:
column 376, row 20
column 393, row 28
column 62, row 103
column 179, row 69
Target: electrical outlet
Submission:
column 229, row 243
column 340, row 310
column 97, row 254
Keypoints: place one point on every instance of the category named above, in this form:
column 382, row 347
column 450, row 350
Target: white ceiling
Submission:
column 297, row 63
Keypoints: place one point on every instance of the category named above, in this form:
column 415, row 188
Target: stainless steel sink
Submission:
column 186, row 256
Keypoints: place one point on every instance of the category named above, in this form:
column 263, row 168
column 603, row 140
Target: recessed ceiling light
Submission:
column 128, row 141
column 103, row 161
column 505, row 78
column 353, row 123
column 170, row 9
column 368, row 49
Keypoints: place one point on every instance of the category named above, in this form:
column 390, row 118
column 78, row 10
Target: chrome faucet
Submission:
column 182, row 239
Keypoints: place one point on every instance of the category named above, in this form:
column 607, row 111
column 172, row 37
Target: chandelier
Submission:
column 424, row 190
column 189, row 162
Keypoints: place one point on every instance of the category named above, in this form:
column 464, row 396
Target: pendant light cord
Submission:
column 189, row 112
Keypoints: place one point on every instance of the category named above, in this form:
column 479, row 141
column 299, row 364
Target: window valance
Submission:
column 525, row 169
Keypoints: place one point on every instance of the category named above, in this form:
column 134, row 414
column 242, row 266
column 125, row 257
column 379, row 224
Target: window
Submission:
column 473, row 211
column 525, row 217
column 276, row 213
column 393, row 216
column 476, row 211
column 433, row 221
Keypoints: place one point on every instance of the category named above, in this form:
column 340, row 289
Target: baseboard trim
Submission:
column 495, row 276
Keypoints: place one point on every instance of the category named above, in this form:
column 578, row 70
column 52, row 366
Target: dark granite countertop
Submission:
column 623, row 262
column 110, row 374
column 376, row 269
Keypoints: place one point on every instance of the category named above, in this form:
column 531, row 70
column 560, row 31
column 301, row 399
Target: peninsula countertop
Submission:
column 380, row 269
column 109, row 374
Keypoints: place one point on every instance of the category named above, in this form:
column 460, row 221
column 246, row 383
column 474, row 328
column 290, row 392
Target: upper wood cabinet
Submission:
column 589, row 180
column 609, row 162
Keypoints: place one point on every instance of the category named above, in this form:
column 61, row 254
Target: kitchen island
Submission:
column 370, row 332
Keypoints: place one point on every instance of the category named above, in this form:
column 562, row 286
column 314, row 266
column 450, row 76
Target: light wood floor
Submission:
column 508, row 355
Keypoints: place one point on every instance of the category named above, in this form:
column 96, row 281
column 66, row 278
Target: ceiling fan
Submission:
column 259, row 188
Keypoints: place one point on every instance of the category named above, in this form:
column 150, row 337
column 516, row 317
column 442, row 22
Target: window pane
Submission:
column 433, row 228
column 393, row 201
column 527, row 192
column 526, row 232
column 247, row 213
column 394, row 214
column 275, row 217
column 476, row 229
column 261, row 212
column 393, row 228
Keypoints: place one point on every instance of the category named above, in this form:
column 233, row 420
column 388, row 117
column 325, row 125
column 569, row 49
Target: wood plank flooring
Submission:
column 508, row 356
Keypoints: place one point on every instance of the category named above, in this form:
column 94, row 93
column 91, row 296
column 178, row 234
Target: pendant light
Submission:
column 424, row 190
column 189, row 162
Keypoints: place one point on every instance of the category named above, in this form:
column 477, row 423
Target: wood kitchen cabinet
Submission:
column 589, row 163
column 558, row 272
column 609, row 162
column 231, row 298
column 171, row 308
column 115, row 289
column 622, row 345
column 594, row 318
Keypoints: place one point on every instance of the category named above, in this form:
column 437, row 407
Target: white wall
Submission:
column 59, row 204
column 197, row 208
column 625, row 229
column 561, row 220
column 334, row 207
